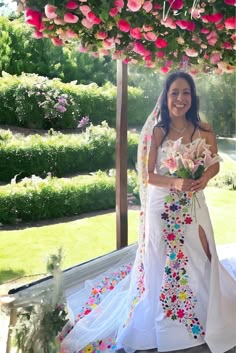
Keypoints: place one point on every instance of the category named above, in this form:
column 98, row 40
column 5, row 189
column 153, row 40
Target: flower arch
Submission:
column 198, row 35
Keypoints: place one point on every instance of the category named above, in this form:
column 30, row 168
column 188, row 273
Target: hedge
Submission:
column 33, row 101
column 60, row 154
column 37, row 199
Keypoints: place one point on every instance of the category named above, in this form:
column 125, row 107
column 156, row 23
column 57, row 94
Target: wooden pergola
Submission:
column 121, row 156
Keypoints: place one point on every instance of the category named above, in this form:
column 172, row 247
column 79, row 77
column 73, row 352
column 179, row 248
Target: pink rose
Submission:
column 168, row 22
column 216, row 17
column 33, row 18
column 108, row 43
column 188, row 25
column 164, row 69
column 139, row 48
column 93, row 18
column 150, row 36
column 70, row 18
column 71, row 34
column 126, row 60
column 86, row 23
column 191, row 52
column 147, row 28
column 149, row 63
column 57, row 41
column 81, row 49
column 134, row 5
column 84, row 9
column 123, row 25
column 230, row 23
column 104, row 52
column 176, row 4
column 212, row 38
column 215, row 58
column 147, row 6
column 71, row 5
column 161, row 43
column 101, row 35
column 160, row 54
column 227, row 45
column 230, row 2
column 50, row 11
column 204, row 31
column 119, row 3
column 37, row 34
column 113, row 12
column 136, row 33
column 157, row 6
column 59, row 21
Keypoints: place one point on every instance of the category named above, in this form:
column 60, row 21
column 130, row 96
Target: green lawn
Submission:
column 24, row 251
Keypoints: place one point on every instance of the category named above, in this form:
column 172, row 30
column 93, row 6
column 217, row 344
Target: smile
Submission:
column 179, row 106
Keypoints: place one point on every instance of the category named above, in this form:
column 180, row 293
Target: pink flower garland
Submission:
column 135, row 30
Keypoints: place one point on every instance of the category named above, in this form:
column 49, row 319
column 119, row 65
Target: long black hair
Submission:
column 193, row 112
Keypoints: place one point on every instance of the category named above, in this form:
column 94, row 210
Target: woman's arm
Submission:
column 161, row 180
column 211, row 171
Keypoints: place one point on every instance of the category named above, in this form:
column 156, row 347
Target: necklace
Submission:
column 178, row 130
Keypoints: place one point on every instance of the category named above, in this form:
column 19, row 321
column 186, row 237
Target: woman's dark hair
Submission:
column 193, row 112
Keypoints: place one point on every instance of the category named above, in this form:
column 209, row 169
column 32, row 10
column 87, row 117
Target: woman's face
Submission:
column 179, row 98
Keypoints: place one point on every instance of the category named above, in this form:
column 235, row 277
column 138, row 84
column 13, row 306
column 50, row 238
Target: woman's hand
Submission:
column 183, row 184
column 200, row 183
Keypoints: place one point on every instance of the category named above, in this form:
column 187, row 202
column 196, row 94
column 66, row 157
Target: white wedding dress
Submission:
column 168, row 295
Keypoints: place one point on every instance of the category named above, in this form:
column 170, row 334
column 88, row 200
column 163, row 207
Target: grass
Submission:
column 24, row 251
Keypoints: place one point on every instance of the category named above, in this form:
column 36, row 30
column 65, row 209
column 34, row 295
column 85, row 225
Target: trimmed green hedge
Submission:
column 33, row 101
column 60, row 154
column 36, row 199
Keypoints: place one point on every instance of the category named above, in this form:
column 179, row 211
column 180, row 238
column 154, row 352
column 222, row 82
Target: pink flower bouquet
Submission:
column 188, row 161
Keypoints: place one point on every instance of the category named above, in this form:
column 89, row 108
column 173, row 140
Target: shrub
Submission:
column 32, row 101
column 36, row 199
column 60, row 154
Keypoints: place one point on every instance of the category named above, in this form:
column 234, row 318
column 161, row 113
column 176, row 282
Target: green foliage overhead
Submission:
column 20, row 52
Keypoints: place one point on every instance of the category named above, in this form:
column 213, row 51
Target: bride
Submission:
column 174, row 293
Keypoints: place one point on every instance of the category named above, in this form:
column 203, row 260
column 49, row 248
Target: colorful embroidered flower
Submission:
column 180, row 313
column 188, row 220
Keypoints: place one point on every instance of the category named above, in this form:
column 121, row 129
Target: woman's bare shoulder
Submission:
column 158, row 134
column 205, row 126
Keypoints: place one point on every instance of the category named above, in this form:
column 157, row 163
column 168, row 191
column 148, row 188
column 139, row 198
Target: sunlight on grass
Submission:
column 26, row 250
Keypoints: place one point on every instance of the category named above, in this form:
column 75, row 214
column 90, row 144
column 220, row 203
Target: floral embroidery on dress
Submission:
column 102, row 288
column 177, row 298
column 107, row 284
column 106, row 345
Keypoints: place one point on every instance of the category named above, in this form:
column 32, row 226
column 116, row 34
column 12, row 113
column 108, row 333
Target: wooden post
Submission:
column 121, row 156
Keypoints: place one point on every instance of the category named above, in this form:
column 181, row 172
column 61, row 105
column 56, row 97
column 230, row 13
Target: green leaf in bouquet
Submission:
column 199, row 172
column 183, row 173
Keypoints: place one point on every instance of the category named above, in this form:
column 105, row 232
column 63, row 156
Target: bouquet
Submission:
column 188, row 161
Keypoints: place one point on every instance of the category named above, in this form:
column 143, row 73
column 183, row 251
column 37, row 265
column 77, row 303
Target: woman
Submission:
column 178, row 295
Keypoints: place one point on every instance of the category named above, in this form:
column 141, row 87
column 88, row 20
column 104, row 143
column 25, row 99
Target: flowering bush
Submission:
column 167, row 34
column 188, row 161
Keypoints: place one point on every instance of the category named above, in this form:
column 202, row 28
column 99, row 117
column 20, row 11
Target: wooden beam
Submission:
column 121, row 156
